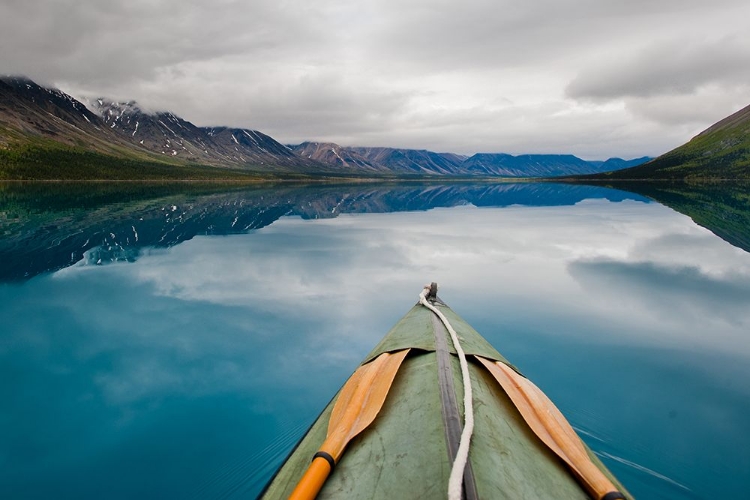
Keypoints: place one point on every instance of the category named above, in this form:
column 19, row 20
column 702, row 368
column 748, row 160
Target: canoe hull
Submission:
column 404, row 453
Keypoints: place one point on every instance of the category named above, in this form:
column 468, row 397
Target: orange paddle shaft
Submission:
column 359, row 402
column 312, row 481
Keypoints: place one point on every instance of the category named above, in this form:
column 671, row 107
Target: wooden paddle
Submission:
column 552, row 428
column 359, row 402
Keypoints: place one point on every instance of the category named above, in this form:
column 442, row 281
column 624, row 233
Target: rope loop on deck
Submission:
column 462, row 455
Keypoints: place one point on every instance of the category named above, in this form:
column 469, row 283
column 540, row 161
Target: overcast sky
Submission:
column 595, row 78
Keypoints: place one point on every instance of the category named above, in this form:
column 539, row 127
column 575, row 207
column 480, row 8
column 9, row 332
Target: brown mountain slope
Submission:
column 29, row 111
column 47, row 134
column 333, row 154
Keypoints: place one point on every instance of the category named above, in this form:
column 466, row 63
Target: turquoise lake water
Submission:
column 176, row 343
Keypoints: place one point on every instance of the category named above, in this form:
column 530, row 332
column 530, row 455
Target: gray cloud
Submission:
column 587, row 77
column 674, row 67
column 671, row 291
column 104, row 43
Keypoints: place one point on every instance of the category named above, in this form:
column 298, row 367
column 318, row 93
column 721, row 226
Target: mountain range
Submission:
column 45, row 133
column 167, row 134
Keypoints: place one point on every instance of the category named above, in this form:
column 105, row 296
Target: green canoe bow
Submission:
column 404, row 453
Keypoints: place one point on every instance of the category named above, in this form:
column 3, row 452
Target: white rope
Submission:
column 457, row 472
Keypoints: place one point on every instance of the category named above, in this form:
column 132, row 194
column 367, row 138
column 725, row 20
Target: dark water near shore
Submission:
column 175, row 342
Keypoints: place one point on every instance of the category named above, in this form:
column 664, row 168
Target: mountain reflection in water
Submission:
column 721, row 207
column 49, row 227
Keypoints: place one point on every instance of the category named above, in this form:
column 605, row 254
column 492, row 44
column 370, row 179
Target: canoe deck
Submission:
column 404, row 453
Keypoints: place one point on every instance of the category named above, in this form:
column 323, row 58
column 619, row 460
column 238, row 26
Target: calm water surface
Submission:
column 178, row 344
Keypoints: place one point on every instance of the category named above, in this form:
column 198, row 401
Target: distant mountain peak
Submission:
column 422, row 161
column 105, row 107
column 334, row 155
column 33, row 92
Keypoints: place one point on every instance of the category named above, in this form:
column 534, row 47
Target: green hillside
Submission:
column 40, row 158
column 720, row 152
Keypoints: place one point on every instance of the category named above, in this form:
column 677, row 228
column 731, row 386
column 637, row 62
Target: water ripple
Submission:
column 235, row 479
column 641, row 468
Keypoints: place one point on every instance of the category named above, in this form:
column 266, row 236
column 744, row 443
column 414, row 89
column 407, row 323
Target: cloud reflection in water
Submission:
column 200, row 355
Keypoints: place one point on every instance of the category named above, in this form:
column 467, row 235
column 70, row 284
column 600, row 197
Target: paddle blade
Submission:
column 546, row 421
column 360, row 400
